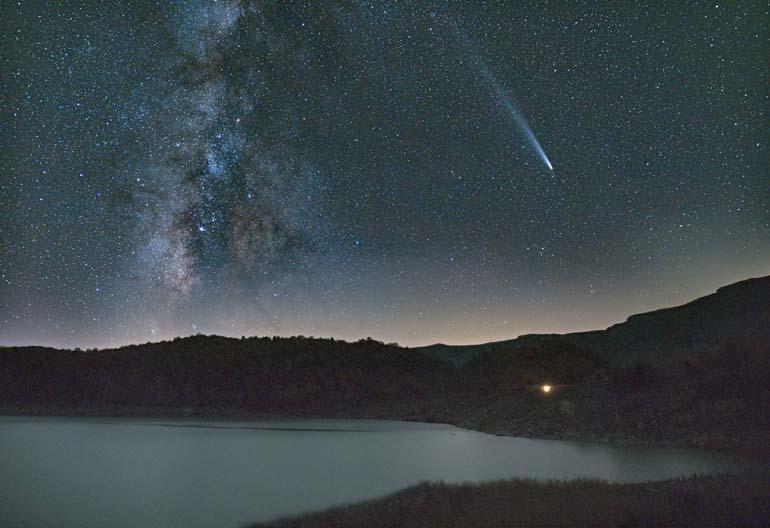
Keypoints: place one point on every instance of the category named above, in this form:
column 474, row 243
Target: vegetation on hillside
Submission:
column 209, row 374
column 719, row 398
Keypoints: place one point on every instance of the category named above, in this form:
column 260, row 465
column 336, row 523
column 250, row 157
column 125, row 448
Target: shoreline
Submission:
column 745, row 452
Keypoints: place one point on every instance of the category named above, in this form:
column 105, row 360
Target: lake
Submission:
column 103, row 472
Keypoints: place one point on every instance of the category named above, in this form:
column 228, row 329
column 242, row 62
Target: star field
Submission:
column 356, row 169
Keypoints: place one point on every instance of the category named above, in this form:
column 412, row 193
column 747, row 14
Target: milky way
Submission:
column 224, row 209
column 220, row 198
column 356, row 169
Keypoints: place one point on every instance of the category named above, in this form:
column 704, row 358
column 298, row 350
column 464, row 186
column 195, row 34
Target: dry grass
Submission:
column 718, row 501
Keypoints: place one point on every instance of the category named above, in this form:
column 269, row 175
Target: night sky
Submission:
column 376, row 169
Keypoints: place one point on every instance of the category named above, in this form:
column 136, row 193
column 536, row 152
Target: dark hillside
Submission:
column 297, row 376
column 698, row 374
column 735, row 314
column 719, row 397
column 515, row 368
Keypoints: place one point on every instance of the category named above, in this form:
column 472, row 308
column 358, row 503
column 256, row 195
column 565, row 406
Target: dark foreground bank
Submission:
column 716, row 501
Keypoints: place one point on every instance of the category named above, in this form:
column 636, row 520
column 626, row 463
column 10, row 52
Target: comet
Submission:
column 503, row 96
column 507, row 102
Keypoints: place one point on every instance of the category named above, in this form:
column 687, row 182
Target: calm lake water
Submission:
column 98, row 472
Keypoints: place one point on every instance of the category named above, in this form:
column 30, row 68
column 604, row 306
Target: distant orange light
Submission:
column 546, row 388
